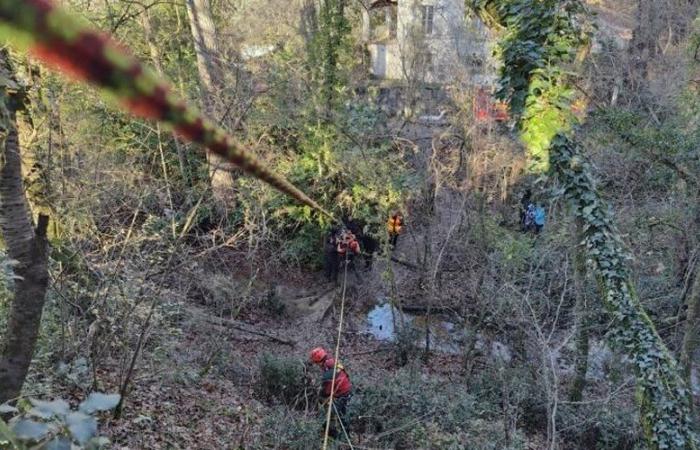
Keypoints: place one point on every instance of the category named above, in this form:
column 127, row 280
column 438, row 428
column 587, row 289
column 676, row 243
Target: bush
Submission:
column 407, row 412
column 283, row 429
column 406, row 347
column 272, row 302
column 303, row 246
column 282, row 380
column 602, row 427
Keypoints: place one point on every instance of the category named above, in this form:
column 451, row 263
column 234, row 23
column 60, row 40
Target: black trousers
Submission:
column 393, row 239
column 339, row 416
column 331, row 264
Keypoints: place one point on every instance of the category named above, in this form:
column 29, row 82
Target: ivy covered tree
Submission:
column 328, row 46
column 541, row 43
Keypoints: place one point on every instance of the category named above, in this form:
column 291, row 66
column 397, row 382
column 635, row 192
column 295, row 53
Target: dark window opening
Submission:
column 427, row 18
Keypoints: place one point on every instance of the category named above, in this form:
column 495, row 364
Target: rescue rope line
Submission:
column 342, row 426
column 337, row 354
column 70, row 45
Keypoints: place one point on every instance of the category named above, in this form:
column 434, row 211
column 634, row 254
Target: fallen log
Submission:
column 420, row 309
column 238, row 327
column 404, row 263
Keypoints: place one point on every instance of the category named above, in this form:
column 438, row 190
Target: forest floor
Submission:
column 199, row 389
column 198, row 386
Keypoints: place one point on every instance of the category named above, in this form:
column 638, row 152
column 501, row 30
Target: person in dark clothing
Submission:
column 354, row 225
column 347, row 248
column 331, row 261
column 529, row 224
column 370, row 246
column 525, row 201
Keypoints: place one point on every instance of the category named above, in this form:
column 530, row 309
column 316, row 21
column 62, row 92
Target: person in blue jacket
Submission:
column 540, row 216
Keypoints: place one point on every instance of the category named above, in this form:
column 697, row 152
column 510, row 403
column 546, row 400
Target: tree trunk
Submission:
column 643, row 45
column 308, row 26
column 582, row 324
column 29, row 248
column 691, row 339
column 332, row 28
column 221, row 172
column 38, row 159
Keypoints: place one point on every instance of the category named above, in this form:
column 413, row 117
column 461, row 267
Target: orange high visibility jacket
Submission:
column 342, row 387
column 395, row 224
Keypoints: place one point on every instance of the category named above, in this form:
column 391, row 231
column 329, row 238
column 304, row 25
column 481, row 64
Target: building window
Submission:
column 427, row 16
column 392, row 21
column 383, row 23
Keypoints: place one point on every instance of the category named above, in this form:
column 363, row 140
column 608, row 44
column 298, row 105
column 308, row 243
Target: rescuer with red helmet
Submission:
column 340, row 391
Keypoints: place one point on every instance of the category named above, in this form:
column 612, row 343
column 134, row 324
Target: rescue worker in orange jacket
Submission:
column 347, row 242
column 340, row 391
column 348, row 247
column 394, row 226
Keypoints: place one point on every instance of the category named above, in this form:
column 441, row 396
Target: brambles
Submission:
column 282, row 380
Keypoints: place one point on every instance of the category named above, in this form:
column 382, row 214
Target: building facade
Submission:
column 429, row 41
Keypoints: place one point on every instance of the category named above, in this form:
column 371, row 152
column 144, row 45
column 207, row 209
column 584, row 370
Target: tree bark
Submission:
column 28, row 247
column 329, row 39
column 582, row 324
column 643, row 45
column 691, row 339
column 221, row 172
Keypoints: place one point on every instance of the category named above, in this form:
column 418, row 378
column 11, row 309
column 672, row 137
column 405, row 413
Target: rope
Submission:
column 342, row 426
column 70, row 45
column 337, row 353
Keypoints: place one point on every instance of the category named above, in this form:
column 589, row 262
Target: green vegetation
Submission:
column 537, row 51
column 194, row 292
column 282, row 380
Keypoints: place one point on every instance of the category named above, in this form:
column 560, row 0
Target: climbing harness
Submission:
column 70, row 45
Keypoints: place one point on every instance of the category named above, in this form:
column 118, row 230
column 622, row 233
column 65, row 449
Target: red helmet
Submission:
column 318, row 355
column 329, row 363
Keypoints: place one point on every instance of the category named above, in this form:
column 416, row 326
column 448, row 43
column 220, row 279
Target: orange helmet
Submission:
column 318, row 355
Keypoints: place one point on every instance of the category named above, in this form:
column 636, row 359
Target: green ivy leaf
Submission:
column 58, row 443
column 29, row 430
column 47, row 410
column 8, row 409
column 98, row 401
column 81, row 426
